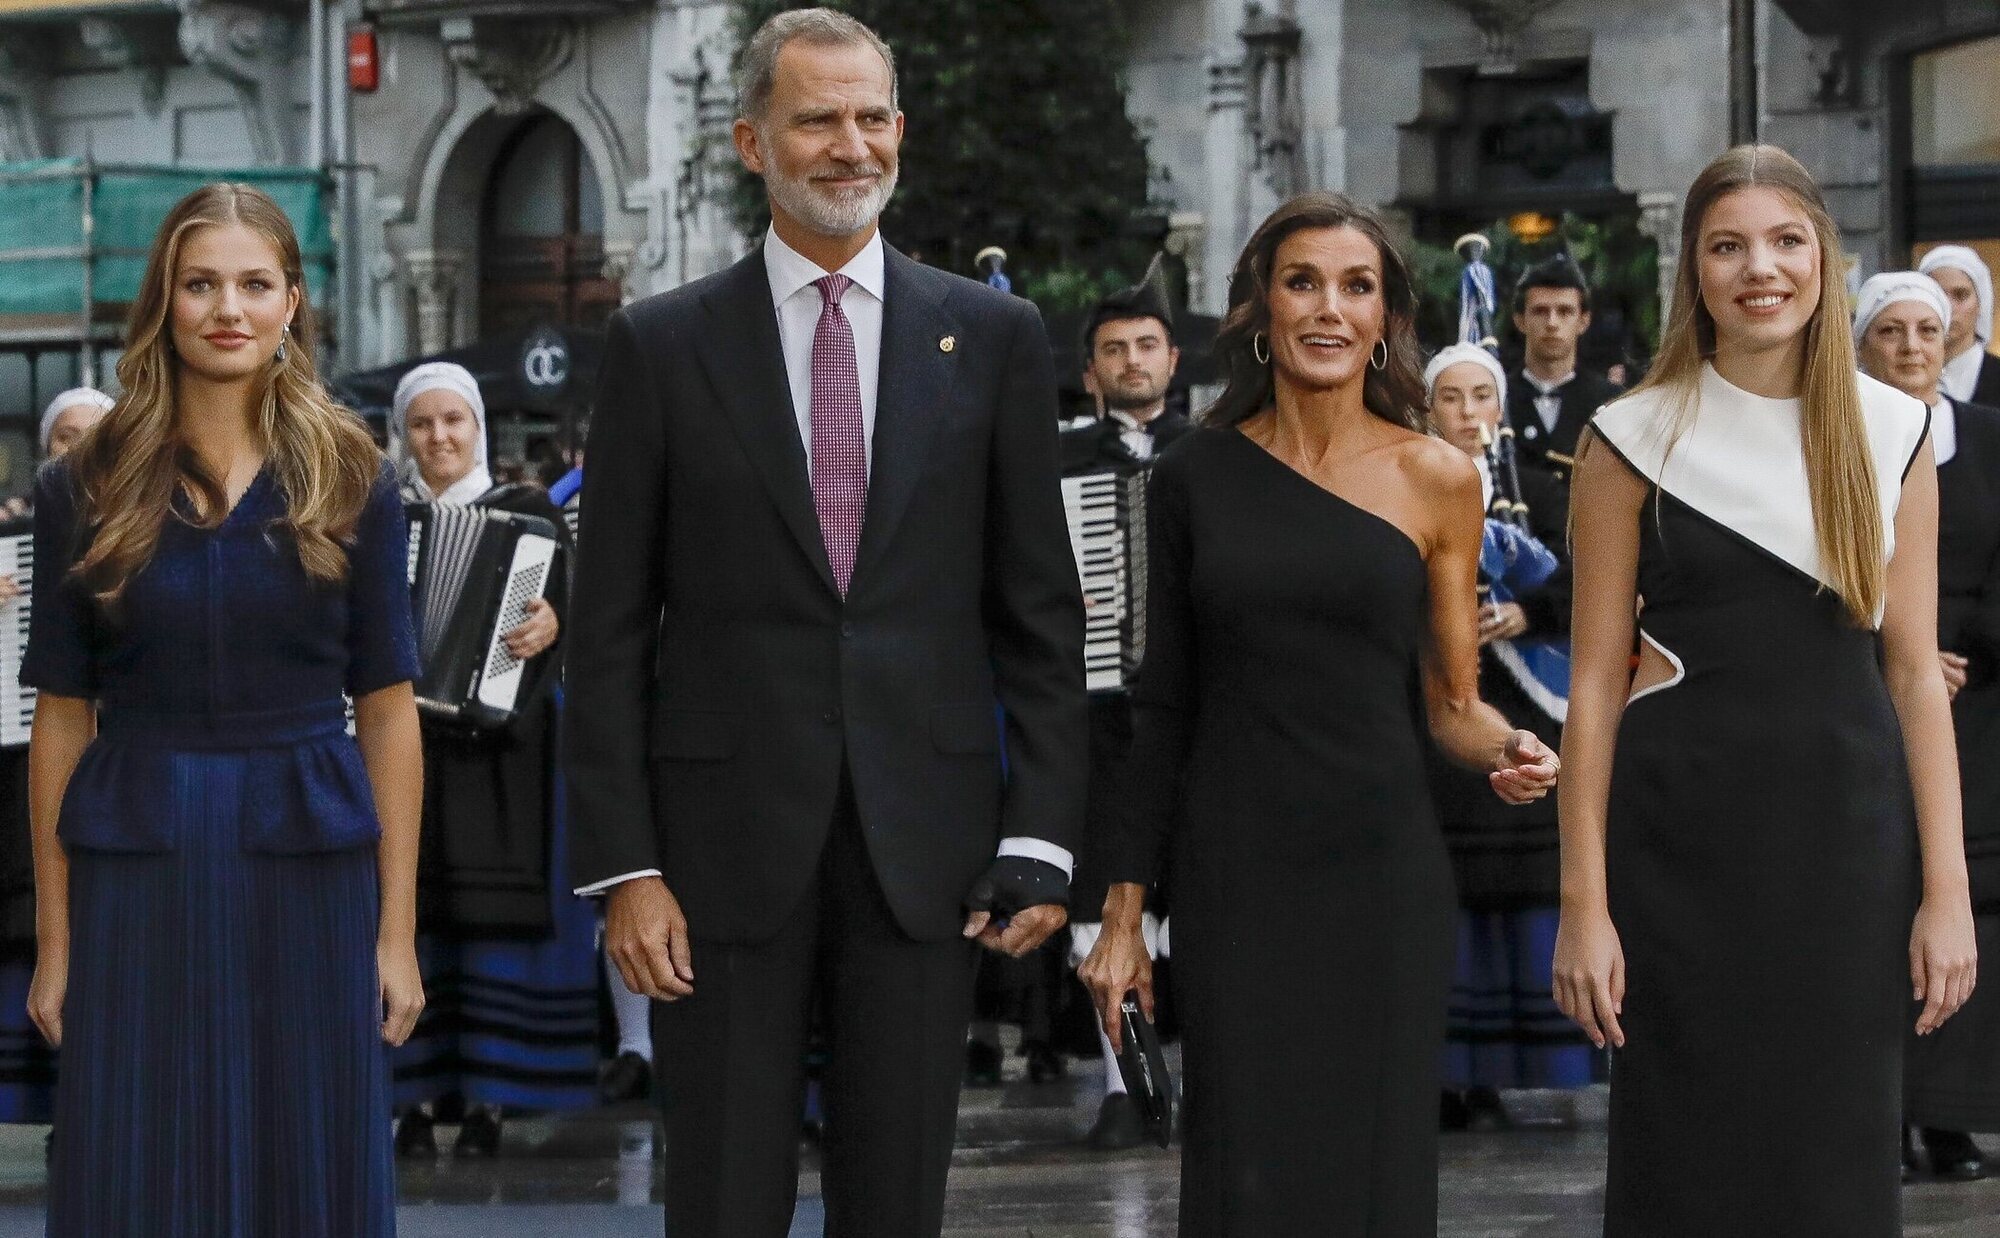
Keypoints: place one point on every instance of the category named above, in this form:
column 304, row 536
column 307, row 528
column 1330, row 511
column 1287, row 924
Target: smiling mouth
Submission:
column 1323, row 341
column 1763, row 302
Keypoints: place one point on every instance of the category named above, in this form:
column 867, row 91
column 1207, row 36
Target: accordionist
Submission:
column 1129, row 361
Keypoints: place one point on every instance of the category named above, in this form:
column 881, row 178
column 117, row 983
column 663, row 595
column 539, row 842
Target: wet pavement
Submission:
column 1020, row 1171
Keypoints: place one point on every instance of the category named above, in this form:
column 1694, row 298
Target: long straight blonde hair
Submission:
column 1840, row 465
column 133, row 464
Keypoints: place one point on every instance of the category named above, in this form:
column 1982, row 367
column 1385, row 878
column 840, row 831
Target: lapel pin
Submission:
column 948, row 343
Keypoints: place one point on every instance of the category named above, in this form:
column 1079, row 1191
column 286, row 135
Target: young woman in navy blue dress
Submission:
column 225, row 880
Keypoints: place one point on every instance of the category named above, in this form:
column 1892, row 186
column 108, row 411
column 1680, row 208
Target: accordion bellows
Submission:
column 473, row 572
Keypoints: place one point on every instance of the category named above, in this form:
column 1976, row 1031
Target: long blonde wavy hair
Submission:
column 1840, row 469
column 136, row 461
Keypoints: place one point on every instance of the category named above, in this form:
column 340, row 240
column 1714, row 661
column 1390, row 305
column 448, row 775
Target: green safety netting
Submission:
column 42, row 226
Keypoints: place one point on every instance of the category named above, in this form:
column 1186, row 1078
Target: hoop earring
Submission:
column 1381, row 342
column 1260, row 349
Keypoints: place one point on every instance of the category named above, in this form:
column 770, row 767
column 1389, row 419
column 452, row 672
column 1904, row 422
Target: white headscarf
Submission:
column 442, row 376
column 1454, row 354
column 1885, row 289
column 1962, row 258
column 89, row 397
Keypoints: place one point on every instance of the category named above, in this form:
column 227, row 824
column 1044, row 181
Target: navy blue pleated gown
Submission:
column 223, row 1074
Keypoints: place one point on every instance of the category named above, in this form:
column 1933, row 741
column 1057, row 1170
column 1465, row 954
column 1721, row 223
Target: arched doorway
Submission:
column 541, row 234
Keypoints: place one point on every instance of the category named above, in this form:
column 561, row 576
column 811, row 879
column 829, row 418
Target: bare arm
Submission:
column 385, row 726
column 1465, row 728
column 64, row 727
column 1943, row 957
column 1605, row 505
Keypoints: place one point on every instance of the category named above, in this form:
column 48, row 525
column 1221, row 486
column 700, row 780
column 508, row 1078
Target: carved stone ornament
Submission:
column 1274, row 108
column 511, row 57
column 1502, row 22
column 251, row 49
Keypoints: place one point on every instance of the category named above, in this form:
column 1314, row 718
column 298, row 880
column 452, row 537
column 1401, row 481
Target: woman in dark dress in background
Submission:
column 1951, row 1080
column 509, row 952
column 27, row 1064
column 224, row 879
column 1310, row 602
column 1743, row 816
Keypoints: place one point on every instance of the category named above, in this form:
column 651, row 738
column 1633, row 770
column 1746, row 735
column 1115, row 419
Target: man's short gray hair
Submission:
column 758, row 73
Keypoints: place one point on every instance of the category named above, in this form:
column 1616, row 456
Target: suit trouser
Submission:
column 731, row 1064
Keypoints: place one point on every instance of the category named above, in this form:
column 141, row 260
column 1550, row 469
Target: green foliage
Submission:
column 1620, row 264
column 1017, row 136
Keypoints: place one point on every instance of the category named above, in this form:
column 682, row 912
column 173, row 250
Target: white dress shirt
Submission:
column 1961, row 373
column 1944, row 430
column 1548, row 398
column 1133, row 433
column 798, row 304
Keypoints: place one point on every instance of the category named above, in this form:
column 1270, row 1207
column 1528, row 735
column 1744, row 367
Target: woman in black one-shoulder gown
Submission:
column 1294, row 652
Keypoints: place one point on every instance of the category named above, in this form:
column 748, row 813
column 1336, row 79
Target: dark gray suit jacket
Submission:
column 717, row 680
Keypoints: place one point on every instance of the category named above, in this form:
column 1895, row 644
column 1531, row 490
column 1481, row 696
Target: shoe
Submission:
column 629, row 1077
column 1954, row 1157
column 416, row 1134
column 1484, row 1112
column 1910, row 1162
column 480, row 1133
column 1452, row 1112
column 1119, row 1125
column 982, row 1065
column 1045, row 1065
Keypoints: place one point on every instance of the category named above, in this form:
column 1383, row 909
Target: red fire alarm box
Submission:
column 364, row 65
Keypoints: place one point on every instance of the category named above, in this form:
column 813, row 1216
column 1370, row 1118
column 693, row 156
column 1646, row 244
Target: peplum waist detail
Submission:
column 298, row 785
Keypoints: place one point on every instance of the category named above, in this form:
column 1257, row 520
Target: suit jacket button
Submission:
column 846, row 630
column 832, row 717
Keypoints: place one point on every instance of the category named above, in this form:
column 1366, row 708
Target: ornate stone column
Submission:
column 435, row 278
column 1274, row 109
column 251, row 49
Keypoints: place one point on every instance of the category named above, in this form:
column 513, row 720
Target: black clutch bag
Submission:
column 1144, row 1068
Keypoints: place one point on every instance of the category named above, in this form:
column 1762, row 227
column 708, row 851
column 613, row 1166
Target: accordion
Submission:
column 1107, row 533
column 473, row 572
column 17, row 700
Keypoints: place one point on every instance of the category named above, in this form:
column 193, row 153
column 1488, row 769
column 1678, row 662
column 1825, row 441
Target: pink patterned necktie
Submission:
column 839, row 450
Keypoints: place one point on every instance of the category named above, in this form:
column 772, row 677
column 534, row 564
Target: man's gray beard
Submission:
column 824, row 216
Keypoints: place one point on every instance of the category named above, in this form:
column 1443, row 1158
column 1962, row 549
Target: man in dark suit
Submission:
column 1551, row 397
column 825, row 579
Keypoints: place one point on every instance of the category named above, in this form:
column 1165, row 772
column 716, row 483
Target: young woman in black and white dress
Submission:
column 1762, row 855
column 1902, row 325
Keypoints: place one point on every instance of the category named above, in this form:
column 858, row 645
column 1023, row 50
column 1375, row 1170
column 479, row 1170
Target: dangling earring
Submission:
column 1382, row 343
column 282, row 339
column 1260, row 349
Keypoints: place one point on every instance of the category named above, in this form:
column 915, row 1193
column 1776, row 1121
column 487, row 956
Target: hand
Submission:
column 646, row 935
column 402, row 988
column 536, row 633
column 1956, row 666
column 1030, row 896
column 10, row 589
column 1502, row 621
column 47, row 991
column 1118, row 964
column 1527, row 769
column 1590, row 975
column 1944, row 960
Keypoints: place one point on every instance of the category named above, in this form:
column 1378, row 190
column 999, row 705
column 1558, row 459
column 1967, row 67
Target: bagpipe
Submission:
column 1512, row 560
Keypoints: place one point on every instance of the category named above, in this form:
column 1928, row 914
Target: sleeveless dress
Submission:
column 223, row 1072
column 1279, row 758
column 1761, row 844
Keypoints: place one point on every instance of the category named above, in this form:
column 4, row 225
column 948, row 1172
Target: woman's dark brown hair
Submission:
column 1394, row 393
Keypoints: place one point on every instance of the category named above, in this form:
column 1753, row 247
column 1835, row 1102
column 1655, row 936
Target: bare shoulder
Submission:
column 1435, row 465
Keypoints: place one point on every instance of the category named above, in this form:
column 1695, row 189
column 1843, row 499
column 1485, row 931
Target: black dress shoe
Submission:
column 629, row 1077
column 1484, row 1112
column 479, row 1135
column 1119, row 1125
column 1910, row 1162
column 416, row 1134
column 1045, row 1065
column 1452, row 1113
column 982, row 1065
column 1954, row 1157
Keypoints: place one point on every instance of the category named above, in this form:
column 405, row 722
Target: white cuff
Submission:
column 601, row 886
column 1037, row 849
